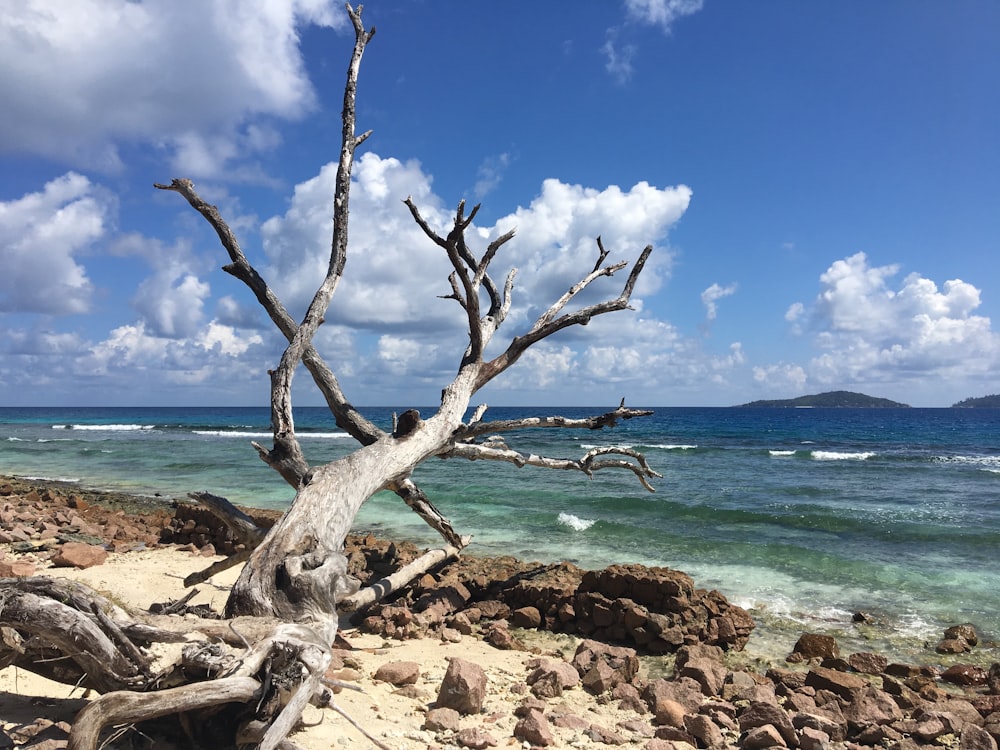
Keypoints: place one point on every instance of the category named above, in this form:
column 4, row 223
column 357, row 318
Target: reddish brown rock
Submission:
column 398, row 673
column 463, row 687
column 976, row 738
column 442, row 720
column 526, row 617
column 709, row 674
column 816, row 646
column 759, row 738
column 534, row 729
column 16, row 568
column 966, row 632
column 476, row 738
column 868, row 662
column 758, row 715
column 840, row 683
column 704, row 730
column 966, row 675
column 79, row 555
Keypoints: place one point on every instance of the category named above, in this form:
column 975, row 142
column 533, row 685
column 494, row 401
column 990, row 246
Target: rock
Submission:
column 758, row 715
column 442, row 720
column 868, row 662
column 762, row 737
column 711, row 675
column 993, row 679
column 816, row 646
column 550, row 678
column 526, row 617
column 704, row 729
column 965, row 675
column 622, row 661
column 603, row 735
column 976, row 738
column 79, row 555
column 843, row 684
column 463, row 687
column 813, row 739
column 476, row 738
column 670, row 713
column 953, row 646
column 498, row 635
column 872, row 706
column 16, row 569
column 398, row 673
column 966, row 632
column 534, row 729
column 832, row 730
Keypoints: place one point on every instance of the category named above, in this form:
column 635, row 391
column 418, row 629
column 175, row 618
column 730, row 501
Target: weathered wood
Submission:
column 127, row 707
column 400, row 579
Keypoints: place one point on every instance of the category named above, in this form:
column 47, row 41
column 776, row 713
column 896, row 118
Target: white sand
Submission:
column 141, row 578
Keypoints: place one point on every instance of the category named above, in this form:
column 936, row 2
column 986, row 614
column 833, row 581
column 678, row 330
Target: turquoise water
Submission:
column 804, row 516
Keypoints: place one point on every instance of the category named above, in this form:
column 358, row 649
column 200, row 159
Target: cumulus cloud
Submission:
column 81, row 76
column 41, row 235
column 711, row 296
column 394, row 272
column 872, row 329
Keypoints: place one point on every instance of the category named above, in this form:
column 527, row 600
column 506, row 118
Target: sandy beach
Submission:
column 394, row 716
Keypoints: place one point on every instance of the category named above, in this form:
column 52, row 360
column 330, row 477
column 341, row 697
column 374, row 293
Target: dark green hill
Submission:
column 987, row 401
column 841, row 399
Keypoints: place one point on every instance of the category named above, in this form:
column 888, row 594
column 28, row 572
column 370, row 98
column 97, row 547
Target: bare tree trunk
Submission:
column 297, row 572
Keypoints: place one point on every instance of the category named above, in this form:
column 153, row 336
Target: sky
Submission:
column 820, row 182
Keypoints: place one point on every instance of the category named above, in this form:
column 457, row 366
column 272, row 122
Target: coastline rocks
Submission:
column 654, row 610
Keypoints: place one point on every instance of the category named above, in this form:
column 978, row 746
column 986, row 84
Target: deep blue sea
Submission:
column 803, row 516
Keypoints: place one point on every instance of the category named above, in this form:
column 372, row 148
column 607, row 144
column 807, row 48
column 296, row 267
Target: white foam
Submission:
column 842, row 456
column 105, row 427
column 674, row 447
column 248, row 434
column 575, row 522
column 782, row 453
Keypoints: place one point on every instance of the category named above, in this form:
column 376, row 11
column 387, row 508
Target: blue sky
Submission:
column 821, row 182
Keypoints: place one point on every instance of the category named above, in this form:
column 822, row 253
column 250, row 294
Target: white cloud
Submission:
column 394, row 273
column 618, row 56
column 80, row 76
column 172, row 302
column 872, row 331
column 40, row 236
column 661, row 13
column 490, row 174
column 711, row 296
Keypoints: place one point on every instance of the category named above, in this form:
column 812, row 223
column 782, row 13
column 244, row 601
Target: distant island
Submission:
column 982, row 401
column 839, row 399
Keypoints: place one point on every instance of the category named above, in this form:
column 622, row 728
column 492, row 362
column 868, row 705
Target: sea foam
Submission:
column 842, row 456
column 575, row 522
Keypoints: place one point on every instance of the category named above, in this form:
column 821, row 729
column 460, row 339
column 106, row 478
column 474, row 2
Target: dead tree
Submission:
column 284, row 605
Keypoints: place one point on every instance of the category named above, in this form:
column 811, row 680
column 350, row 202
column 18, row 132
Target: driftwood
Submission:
column 268, row 659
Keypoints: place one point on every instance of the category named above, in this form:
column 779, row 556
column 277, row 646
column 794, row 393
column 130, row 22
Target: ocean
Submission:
column 803, row 516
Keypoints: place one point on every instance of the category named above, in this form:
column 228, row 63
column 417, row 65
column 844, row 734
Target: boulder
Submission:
column 816, row 646
column 533, row 728
column 79, row 555
column 463, row 687
column 398, row 673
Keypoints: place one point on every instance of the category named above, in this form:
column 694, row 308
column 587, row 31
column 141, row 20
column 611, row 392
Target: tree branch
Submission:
column 548, row 324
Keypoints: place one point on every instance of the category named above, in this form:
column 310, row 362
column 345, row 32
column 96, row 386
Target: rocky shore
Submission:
column 623, row 656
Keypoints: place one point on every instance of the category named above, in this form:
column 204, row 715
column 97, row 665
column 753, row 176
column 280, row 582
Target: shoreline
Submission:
column 142, row 573
column 770, row 643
